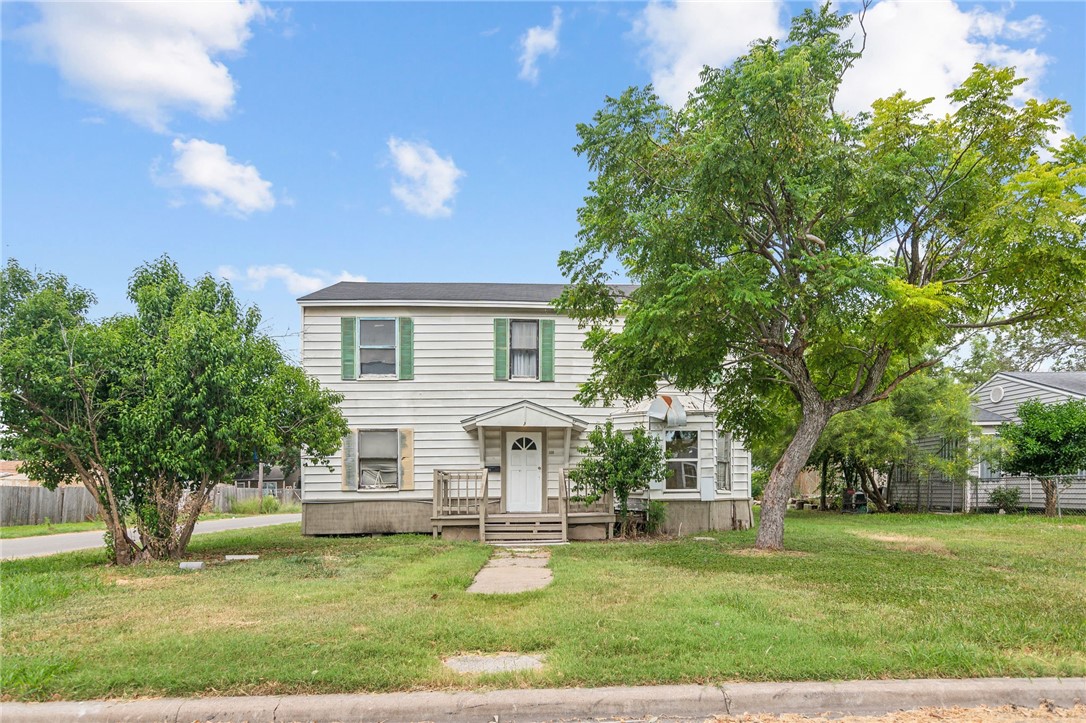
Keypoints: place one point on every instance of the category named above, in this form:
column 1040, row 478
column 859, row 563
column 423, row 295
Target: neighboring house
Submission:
column 995, row 402
column 460, row 393
column 272, row 480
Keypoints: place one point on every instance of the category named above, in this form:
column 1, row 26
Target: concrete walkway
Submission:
column 19, row 547
column 513, row 569
column 671, row 702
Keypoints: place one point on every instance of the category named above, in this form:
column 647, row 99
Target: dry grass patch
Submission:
column 908, row 543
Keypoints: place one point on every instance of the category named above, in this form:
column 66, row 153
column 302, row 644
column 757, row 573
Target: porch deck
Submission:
column 464, row 509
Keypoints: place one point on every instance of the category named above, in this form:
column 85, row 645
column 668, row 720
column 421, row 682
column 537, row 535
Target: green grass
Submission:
column 872, row 596
column 59, row 528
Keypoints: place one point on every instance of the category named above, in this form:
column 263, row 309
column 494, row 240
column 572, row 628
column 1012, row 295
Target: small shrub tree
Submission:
column 1049, row 443
column 1005, row 498
column 616, row 463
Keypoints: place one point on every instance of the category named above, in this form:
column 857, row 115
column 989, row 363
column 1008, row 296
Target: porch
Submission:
column 464, row 509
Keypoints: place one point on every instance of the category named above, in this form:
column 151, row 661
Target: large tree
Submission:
column 151, row 410
column 1049, row 443
column 785, row 247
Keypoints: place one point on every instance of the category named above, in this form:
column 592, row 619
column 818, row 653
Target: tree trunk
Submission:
column 783, row 477
column 1048, row 484
column 871, row 489
column 191, row 514
column 824, row 483
column 122, row 550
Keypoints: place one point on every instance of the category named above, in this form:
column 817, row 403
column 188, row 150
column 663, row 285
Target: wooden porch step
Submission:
column 523, row 517
column 512, row 529
column 522, row 527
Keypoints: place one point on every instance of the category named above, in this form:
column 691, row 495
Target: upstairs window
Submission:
column 681, row 451
column 524, row 349
column 377, row 347
column 378, row 459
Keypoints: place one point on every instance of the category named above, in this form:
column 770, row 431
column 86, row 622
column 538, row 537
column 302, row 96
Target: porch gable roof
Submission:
column 524, row 413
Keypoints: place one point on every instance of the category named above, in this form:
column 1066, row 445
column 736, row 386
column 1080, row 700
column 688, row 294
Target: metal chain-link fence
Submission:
column 1064, row 495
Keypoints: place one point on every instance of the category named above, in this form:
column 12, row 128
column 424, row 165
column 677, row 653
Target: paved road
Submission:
column 52, row 544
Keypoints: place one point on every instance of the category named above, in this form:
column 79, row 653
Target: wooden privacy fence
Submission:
column 36, row 505
column 223, row 496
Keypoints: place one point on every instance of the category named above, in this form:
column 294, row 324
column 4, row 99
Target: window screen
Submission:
column 378, row 459
column 681, row 451
column 377, row 347
column 524, row 349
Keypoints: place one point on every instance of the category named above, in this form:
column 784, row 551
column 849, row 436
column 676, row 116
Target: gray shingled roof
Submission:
column 378, row 291
column 1074, row 382
column 983, row 416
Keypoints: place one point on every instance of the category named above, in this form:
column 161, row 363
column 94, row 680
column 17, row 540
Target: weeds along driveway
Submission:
column 871, row 596
column 22, row 547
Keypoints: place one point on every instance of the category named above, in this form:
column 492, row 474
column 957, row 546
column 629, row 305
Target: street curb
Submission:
column 865, row 697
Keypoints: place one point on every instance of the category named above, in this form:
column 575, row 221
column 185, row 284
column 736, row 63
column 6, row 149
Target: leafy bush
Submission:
column 1005, row 498
column 616, row 463
column 655, row 516
column 758, row 480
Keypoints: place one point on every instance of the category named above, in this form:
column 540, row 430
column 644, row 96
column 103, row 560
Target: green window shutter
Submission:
column 546, row 350
column 501, row 349
column 348, row 346
column 407, row 348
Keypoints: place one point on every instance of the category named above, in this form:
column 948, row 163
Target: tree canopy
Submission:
column 788, row 254
column 150, row 410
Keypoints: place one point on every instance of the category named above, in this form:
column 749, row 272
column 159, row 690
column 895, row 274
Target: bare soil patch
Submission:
column 755, row 552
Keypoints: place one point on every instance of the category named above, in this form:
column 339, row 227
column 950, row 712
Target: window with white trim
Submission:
column 681, row 452
column 523, row 349
column 378, row 459
column 723, row 461
column 377, row 347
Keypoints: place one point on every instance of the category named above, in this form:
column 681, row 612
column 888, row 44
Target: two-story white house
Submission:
column 460, row 400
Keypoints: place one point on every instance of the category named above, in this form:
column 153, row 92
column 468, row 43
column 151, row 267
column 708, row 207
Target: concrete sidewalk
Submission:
column 867, row 697
column 19, row 547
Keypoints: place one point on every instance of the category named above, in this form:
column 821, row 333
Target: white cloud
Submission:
column 536, row 42
column 227, row 185
column 427, row 181
column 928, row 48
column 146, row 59
column 683, row 37
column 255, row 278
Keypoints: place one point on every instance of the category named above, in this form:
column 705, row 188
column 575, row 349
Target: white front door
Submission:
column 524, row 472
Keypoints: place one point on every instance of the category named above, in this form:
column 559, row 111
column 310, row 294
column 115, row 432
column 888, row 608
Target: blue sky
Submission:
column 285, row 146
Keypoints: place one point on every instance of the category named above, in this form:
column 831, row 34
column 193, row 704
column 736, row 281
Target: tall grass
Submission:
column 265, row 505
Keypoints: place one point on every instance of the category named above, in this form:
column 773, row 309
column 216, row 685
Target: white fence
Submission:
column 21, row 505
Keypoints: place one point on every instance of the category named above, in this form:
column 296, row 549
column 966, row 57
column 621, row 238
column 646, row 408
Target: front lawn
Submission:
column 865, row 596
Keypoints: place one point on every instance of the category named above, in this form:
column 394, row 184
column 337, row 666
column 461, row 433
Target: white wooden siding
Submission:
column 454, row 379
column 1016, row 391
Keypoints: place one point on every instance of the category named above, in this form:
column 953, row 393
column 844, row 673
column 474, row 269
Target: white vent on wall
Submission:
column 996, row 394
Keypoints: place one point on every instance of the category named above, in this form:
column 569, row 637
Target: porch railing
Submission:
column 460, row 492
column 566, row 491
